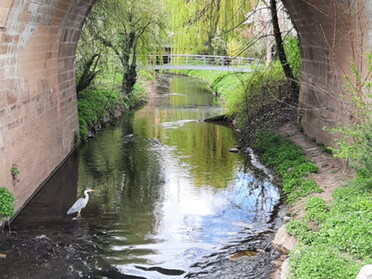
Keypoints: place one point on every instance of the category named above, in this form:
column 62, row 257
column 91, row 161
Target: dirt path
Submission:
column 332, row 174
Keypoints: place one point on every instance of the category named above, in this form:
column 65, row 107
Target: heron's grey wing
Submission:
column 78, row 205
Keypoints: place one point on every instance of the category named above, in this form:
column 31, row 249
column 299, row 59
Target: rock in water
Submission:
column 234, row 150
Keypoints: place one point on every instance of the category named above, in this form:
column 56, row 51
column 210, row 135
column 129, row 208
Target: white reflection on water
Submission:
column 192, row 222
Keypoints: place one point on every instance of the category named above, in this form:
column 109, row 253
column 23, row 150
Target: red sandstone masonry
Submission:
column 38, row 114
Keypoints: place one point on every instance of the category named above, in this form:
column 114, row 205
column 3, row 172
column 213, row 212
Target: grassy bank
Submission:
column 103, row 102
column 335, row 240
column 238, row 91
column 288, row 161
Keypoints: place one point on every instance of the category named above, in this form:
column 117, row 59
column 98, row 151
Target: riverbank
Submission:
column 240, row 93
column 327, row 234
column 100, row 105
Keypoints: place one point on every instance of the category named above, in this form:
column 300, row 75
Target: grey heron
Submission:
column 80, row 203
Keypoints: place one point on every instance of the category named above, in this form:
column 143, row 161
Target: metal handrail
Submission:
column 167, row 57
column 197, row 61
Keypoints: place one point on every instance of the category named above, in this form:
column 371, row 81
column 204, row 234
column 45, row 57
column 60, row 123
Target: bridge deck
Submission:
column 200, row 62
column 203, row 68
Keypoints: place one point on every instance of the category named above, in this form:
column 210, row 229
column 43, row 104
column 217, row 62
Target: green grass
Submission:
column 334, row 240
column 343, row 241
column 289, row 161
column 103, row 99
column 322, row 261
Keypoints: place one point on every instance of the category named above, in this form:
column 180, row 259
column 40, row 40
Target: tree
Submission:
column 89, row 62
column 196, row 23
column 280, row 49
column 130, row 29
column 137, row 26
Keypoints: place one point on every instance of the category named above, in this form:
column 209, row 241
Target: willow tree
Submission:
column 131, row 29
column 195, row 23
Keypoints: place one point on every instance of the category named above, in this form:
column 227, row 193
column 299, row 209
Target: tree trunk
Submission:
column 89, row 72
column 130, row 71
column 281, row 53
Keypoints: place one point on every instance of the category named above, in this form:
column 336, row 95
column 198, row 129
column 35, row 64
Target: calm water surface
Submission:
column 171, row 201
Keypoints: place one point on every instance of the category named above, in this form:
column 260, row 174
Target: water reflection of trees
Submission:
column 203, row 147
column 127, row 177
column 261, row 185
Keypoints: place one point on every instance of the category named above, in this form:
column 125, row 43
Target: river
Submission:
column 171, row 201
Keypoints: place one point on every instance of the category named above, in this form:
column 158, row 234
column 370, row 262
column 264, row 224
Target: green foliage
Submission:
column 98, row 103
column 299, row 188
column 94, row 105
column 301, row 230
column 14, row 170
column 316, row 209
column 119, row 35
column 349, row 224
column 289, row 161
column 293, row 52
column 6, row 203
column 344, row 227
column 322, row 262
column 195, row 23
column 355, row 136
column 219, row 46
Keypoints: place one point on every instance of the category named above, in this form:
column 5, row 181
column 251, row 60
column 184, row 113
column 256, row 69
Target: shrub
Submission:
column 293, row 52
column 6, row 202
column 355, row 136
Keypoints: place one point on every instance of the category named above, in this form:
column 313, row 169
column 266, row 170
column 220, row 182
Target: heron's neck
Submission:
column 86, row 196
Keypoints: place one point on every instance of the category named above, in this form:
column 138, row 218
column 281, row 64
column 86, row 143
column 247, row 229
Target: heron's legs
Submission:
column 78, row 215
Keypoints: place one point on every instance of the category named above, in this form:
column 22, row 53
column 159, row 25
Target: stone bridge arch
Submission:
column 38, row 114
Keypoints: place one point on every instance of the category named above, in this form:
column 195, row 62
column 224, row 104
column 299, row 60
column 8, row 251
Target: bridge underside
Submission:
column 38, row 115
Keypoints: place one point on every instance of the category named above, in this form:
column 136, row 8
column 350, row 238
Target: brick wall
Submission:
column 38, row 113
column 332, row 34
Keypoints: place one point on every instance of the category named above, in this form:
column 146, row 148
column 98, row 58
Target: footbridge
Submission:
column 201, row 62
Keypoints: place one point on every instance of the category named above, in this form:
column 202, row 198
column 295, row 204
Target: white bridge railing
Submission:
column 200, row 62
